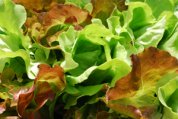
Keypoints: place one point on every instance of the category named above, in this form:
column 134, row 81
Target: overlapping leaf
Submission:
column 85, row 4
column 93, row 57
column 165, row 5
column 11, row 87
column 171, row 43
column 168, row 95
column 102, row 9
column 14, row 11
column 48, row 82
column 133, row 95
column 64, row 14
column 46, row 26
column 12, row 35
column 36, row 5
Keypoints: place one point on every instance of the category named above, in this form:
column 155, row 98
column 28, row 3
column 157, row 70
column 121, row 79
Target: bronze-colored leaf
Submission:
column 36, row 5
column 127, row 110
column 10, row 90
column 54, row 76
column 48, row 82
column 128, row 85
column 46, row 26
column 24, row 100
column 136, row 91
column 64, row 14
column 16, row 91
column 43, row 93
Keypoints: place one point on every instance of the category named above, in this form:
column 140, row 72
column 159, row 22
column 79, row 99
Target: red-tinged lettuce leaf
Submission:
column 85, row 4
column 10, row 88
column 51, row 75
column 61, row 13
column 45, row 27
column 135, row 95
column 48, row 82
column 8, row 100
column 43, row 93
column 36, row 5
column 3, row 105
column 24, row 100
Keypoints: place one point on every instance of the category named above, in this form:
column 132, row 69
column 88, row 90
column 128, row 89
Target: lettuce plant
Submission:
column 82, row 59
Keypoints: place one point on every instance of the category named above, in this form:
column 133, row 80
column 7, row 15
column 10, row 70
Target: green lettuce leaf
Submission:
column 151, row 35
column 15, row 64
column 39, row 53
column 160, row 7
column 9, row 10
column 169, row 41
column 168, row 95
column 107, row 72
column 138, row 15
column 80, row 91
column 66, row 42
column 13, row 36
column 12, row 41
column 92, row 54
